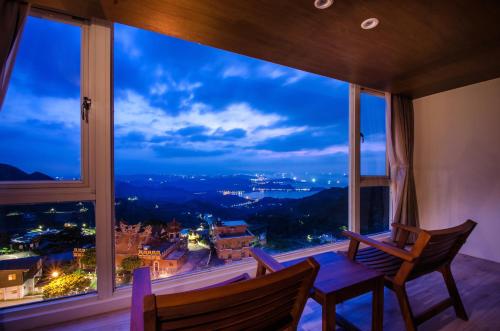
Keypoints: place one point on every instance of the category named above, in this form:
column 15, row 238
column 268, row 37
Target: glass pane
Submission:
column 373, row 143
column 216, row 152
column 374, row 209
column 40, row 118
column 46, row 252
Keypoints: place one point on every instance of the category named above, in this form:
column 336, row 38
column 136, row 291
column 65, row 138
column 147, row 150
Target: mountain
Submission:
column 11, row 173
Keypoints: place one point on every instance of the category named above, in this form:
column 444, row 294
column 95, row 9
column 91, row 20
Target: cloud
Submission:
column 125, row 39
column 275, row 71
column 158, row 89
column 192, row 130
column 21, row 108
column 187, row 86
column 295, row 77
column 272, row 71
column 235, row 71
column 135, row 113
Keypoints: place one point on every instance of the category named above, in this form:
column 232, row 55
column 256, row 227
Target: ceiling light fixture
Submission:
column 369, row 23
column 323, row 4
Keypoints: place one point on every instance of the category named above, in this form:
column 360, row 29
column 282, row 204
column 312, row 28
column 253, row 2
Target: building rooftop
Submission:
column 25, row 263
column 234, row 223
column 235, row 235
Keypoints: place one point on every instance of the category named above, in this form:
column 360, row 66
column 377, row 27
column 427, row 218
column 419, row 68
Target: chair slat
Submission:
column 230, row 311
column 196, row 307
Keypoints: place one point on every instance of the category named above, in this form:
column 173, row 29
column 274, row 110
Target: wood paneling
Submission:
column 419, row 48
column 77, row 8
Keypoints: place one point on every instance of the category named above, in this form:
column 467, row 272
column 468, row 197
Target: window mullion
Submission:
column 100, row 79
column 354, row 158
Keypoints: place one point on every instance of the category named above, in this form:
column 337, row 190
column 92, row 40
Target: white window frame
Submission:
column 96, row 184
column 356, row 180
column 16, row 192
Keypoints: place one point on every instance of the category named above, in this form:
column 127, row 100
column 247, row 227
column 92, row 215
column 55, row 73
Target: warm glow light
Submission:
column 369, row 23
column 323, row 4
column 55, row 274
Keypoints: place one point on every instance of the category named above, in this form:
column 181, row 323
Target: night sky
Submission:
column 181, row 108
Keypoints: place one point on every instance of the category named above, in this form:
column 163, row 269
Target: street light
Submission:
column 55, row 274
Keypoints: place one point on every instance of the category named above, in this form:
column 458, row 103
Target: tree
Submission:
column 130, row 263
column 88, row 259
column 65, row 285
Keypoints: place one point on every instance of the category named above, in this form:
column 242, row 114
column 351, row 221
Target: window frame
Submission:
column 17, row 192
column 96, row 182
column 356, row 180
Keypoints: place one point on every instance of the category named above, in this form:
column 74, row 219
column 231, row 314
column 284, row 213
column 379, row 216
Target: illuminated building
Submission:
column 18, row 277
column 231, row 239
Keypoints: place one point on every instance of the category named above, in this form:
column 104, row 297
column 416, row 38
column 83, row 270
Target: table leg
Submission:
column 378, row 306
column 328, row 311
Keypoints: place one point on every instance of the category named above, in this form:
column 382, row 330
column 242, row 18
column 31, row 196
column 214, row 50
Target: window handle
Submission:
column 86, row 104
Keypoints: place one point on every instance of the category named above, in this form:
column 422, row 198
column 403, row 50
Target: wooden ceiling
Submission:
column 420, row 46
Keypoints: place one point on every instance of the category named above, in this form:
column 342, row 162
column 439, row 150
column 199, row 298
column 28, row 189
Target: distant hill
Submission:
column 11, row 173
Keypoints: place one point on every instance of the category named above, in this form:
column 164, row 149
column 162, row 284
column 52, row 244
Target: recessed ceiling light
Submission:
column 369, row 23
column 322, row 4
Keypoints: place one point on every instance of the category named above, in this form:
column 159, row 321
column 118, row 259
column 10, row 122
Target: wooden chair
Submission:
column 270, row 302
column 432, row 251
column 141, row 288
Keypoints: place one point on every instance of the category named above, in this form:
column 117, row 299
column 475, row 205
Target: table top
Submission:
column 337, row 272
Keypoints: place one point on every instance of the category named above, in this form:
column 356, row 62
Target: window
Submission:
column 374, row 213
column 373, row 136
column 47, row 183
column 374, row 193
column 231, row 148
column 41, row 112
column 53, row 244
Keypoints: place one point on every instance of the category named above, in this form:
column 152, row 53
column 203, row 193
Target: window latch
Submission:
column 86, row 104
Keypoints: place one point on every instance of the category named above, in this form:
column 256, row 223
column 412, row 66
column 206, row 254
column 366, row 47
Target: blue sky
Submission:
column 182, row 108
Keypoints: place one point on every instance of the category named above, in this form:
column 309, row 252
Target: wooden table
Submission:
column 340, row 279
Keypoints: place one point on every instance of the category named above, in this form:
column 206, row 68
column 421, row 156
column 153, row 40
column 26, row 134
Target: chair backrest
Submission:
column 271, row 302
column 439, row 247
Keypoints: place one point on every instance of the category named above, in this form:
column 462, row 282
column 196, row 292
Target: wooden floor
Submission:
column 478, row 282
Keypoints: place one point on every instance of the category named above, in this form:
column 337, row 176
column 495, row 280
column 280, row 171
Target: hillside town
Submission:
column 168, row 249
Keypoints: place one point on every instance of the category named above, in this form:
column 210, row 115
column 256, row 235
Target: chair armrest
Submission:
column 389, row 249
column 265, row 260
column 406, row 228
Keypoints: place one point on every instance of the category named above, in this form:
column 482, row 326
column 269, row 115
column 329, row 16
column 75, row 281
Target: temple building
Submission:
column 231, row 239
column 129, row 239
column 161, row 248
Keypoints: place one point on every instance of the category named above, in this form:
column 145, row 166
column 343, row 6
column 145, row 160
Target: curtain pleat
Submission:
column 400, row 152
column 13, row 15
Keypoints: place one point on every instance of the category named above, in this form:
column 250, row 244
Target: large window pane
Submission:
column 374, row 209
column 40, row 132
column 216, row 152
column 46, row 251
column 373, row 141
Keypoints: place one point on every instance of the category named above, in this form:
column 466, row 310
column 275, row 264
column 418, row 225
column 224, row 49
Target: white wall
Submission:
column 457, row 163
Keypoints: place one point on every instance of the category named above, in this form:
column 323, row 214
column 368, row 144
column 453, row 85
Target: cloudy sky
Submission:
column 181, row 108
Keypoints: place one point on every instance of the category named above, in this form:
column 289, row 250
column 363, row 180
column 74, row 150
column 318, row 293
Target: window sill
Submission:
column 64, row 310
